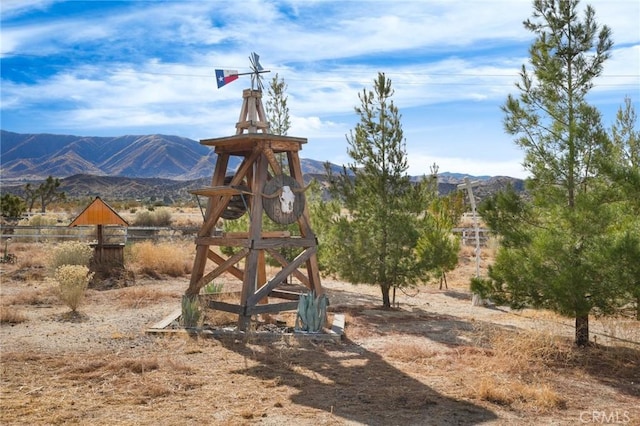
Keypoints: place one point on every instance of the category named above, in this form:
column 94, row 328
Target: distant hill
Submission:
column 29, row 157
column 37, row 156
column 144, row 166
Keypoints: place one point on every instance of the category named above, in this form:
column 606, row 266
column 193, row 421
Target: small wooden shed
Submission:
column 100, row 213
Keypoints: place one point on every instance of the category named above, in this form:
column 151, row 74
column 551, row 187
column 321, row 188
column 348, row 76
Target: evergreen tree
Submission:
column 375, row 243
column 276, row 109
column 277, row 113
column 552, row 254
column 437, row 246
column 623, row 167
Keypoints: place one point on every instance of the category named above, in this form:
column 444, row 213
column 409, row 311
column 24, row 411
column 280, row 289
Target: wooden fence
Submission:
column 120, row 234
column 111, row 234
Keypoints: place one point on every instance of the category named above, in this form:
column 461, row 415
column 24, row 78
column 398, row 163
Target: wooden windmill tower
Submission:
column 260, row 185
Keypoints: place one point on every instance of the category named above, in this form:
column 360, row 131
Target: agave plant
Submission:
column 190, row 311
column 312, row 312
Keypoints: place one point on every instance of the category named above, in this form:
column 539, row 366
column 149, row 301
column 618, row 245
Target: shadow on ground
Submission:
column 357, row 385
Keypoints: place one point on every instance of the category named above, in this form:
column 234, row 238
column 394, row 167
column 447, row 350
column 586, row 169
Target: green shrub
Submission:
column 73, row 281
column 71, row 253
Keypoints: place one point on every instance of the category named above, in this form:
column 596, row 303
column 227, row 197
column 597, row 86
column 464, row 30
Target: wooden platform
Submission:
column 166, row 326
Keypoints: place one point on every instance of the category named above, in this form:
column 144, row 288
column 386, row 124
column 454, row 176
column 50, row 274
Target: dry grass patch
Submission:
column 31, row 297
column 410, row 353
column 11, row 315
column 622, row 331
column 530, row 352
column 538, row 397
column 155, row 260
column 180, row 367
column 139, row 296
column 134, row 365
column 30, row 255
column 528, row 370
column 31, row 264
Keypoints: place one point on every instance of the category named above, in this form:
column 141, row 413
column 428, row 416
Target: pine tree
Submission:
column 277, row 113
column 552, row 254
column 437, row 246
column 375, row 242
column 623, row 167
column 276, row 109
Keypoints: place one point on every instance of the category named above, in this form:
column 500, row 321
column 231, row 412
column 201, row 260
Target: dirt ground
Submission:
column 433, row 360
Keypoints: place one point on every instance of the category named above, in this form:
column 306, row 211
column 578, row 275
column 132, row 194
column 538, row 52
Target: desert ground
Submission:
column 434, row 359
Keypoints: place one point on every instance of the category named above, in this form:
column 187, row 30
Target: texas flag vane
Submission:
column 224, row 77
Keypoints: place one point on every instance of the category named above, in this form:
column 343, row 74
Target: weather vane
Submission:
column 224, row 77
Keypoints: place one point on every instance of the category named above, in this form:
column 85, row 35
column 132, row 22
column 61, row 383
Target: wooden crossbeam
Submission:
column 264, row 234
column 273, row 162
column 284, row 262
column 280, row 276
column 222, row 267
column 272, row 307
column 226, row 307
column 212, row 191
column 285, row 294
column 217, row 210
column 260, row 244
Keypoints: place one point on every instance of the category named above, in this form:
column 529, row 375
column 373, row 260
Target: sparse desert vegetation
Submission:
column 434, row 359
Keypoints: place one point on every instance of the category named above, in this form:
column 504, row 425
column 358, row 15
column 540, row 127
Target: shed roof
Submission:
column 98, row 213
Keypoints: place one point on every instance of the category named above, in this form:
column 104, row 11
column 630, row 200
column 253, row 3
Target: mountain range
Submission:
column 138, row 165
column 28, row 157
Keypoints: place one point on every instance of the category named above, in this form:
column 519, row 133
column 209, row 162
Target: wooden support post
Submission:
column 200, row 261
column 255, row 231
column 313, row 268
column 262, row 274
column 100, row 245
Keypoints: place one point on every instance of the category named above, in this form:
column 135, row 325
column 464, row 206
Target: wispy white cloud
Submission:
column 147, row 67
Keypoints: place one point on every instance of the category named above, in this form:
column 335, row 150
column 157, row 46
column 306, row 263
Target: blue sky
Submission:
column 109, row 68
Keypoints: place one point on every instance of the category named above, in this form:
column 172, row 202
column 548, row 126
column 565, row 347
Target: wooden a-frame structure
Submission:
column 99, row 213
column 259, row 164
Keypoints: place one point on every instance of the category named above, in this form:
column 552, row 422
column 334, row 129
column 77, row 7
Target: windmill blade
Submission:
column 255, row 62
column 256, row 79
